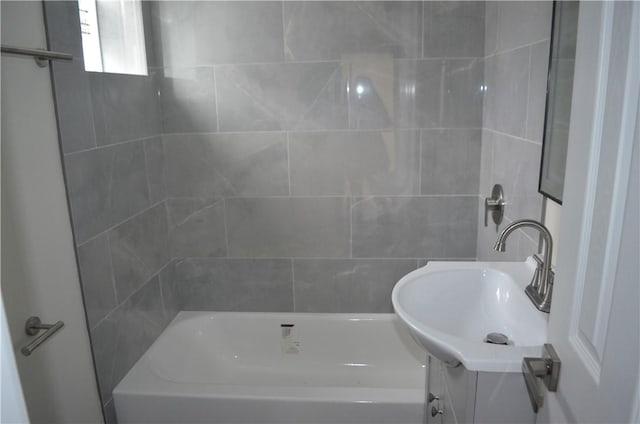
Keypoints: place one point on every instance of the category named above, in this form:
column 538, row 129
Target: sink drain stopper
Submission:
column 496, row 338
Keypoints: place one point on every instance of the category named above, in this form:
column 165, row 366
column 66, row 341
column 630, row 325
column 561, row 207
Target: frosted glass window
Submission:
column 113, row 36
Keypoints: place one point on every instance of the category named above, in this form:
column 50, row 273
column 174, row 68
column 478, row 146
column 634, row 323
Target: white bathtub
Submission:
column 211, row 367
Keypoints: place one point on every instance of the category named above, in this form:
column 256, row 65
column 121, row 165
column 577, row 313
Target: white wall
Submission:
column 552, row 216
column 12, row 406
column 39, row 272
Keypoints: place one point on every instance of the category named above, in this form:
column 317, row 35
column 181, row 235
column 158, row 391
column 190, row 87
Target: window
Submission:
column 113, row 36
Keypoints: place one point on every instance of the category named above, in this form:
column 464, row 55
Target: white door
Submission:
column 39, row 274
column 595, row 321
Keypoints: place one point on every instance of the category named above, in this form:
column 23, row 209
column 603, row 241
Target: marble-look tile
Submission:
column 211, row 165
column 461, row 93
column 188, row 100
column 193, row 33
column 74, row 110
column 105, row 186
column 96, row 275
column 454, row 29
column 347, row 285
column 507, row 81
column 518, row 172
column 529, row 245
column 354, row 163
column 281, row 96
column 288, row 227
column 63, row 27
column 450, row 161
column 121, row 338
column 325, row 30
column 139, row 249
column 514, row 30
column 125, row 107
column 491, row 27
column 155, row 163
column 109, row 411
column 69, row 79
column 249, row 285
column 537, row 90
column 486, row 166
column 415, row 227
column 103, row 345
column 196, row 228
column 378, row 92
column 489, row 102
column 429, row 93
column 170, row 295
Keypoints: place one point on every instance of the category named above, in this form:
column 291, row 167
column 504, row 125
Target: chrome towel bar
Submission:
column 32, row 327
column 41, row 56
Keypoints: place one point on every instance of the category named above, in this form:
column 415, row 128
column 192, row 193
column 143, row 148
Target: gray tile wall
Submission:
column 315, row 152
column 280, row 156
column 114, row 165
column 516, row 61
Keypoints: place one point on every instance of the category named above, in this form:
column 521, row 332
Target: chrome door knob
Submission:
column 431, row 397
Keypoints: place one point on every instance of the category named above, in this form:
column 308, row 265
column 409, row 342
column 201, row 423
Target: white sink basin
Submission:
column 450, row 308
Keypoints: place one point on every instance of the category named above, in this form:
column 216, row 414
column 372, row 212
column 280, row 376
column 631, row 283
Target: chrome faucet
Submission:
column 539, row 291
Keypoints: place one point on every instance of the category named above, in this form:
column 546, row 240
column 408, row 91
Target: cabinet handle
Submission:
column 435, row 411
column 548, row 368
column 431, row 397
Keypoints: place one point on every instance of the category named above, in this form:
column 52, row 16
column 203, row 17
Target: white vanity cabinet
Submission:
column 464, row 396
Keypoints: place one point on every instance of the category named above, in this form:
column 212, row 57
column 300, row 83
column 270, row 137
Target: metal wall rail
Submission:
column 39, row 55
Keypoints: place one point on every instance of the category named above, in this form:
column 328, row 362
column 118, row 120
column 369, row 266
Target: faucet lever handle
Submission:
column 495, row 204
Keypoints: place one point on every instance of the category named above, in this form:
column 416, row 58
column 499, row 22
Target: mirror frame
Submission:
column 547, row 139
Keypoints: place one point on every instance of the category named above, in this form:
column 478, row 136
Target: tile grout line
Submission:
column 323, row 258
column 137, row 290
column 351, row 207
column 358, row 198
column 112, row 269
column 348, row 89
column 334, row 61
column 162, row 302
column 293, row 285
column 310, row 131
column 146, row 170
column 106, row 146
column 420, row 163
column 104, row 405
column 284, row 38
column 135, row 215
column 526, row 106
column 286, row 135
column 526, row 140
column 512, row 49
column 226, row 225
column 423, row 4
column 215, row 96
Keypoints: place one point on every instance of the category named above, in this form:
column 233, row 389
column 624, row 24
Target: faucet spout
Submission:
column 539, row 291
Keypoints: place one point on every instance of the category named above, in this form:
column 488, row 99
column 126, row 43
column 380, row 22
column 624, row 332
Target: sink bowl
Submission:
column 451, row 307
